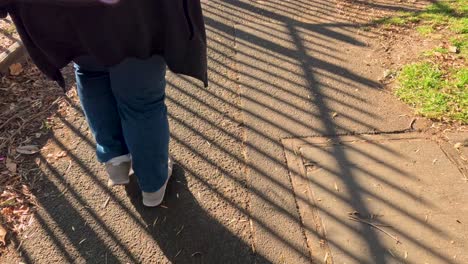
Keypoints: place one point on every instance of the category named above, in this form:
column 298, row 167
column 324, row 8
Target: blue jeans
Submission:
column 124, row 106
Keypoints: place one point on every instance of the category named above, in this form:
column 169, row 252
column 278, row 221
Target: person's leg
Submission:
column 100, row 108
column 139, row 89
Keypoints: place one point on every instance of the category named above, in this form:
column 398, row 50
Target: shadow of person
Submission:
column 185, row 231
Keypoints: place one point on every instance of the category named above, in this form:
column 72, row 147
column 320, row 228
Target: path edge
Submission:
column 15, row 53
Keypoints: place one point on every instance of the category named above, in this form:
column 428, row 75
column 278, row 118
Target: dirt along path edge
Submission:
column 14, row 54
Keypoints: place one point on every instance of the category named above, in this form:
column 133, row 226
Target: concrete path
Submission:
column 257, row 152
column 387, row 198
column 306, row 70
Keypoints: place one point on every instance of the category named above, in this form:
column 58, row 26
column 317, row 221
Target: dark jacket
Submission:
column 56, row 31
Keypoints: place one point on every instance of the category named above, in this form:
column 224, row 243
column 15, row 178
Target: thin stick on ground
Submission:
column 375, row 226
column 17, row 115
column 411, row 124
column 106, row 202
column 19, row 129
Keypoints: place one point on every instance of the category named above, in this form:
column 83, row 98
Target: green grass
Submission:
column 398, row 21
column 437, row 88
column 461, row 78
column 425, row 30
column 432, row 52
column 461, row 42
column 401, row 19
column 451, row 14
column 434, row 93
column 10, row 30
column 459, row 25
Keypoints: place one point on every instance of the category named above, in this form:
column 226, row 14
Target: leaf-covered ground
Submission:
column 27, row 99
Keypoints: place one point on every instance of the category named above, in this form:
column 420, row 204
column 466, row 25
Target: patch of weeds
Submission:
column 402, row 18
column 435, row 93
column 425, row 30
column 366, row 29
column 46, row 126
column 398, row 21
column 10, row 30
column 461, row 78
column 452, row 14
column 438, row 86
column 438, row 12
column 459, row 86
column 459, row 26
column 460, row 7
column 461, row 42
column 433, row 52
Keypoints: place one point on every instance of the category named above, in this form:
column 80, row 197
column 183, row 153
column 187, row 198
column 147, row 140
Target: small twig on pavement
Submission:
column 411, row 124
column 180, row 230
column 19, row 246
column 68, row 168
column 106, row 202
column 196, row 253
column 63, row 192
column 354, row 218
column 155, row 221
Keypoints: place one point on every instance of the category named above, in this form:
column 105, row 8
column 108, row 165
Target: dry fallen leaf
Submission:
column 16, row 69
column 60, row 154
column 6, row 211
column 336, row 187
column 11, row 166
column 3, row 233
column 28, row 149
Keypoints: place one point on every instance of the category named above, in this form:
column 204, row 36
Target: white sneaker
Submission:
column 153, row 199
column 118, row 169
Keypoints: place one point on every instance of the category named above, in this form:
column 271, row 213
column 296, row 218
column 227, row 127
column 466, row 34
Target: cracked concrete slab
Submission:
column 403, row 184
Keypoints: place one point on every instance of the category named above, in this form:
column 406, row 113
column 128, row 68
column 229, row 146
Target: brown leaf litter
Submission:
column 26, row 100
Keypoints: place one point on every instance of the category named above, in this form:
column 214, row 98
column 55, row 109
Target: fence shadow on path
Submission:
column 184, row 231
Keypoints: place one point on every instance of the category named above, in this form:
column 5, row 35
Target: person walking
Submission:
column 120, row 50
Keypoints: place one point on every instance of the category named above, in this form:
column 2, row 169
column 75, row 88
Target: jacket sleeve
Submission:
column 66, row 2
column 3, row 9
column 4, row 3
